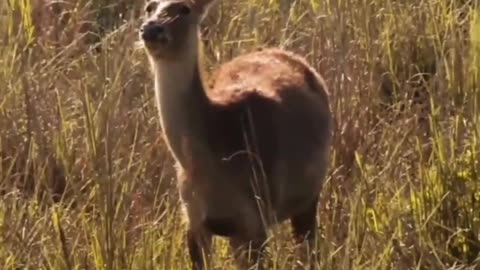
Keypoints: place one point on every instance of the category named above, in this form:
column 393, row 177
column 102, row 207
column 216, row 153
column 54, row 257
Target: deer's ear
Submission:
column 202, row 6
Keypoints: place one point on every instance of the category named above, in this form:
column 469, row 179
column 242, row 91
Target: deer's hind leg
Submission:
column 304, row 225
column 248, row 253
column 248, row 244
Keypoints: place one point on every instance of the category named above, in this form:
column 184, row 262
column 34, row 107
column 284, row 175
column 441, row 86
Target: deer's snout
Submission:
column 153, row 32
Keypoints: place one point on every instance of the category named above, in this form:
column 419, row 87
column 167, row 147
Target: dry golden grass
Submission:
column 86, row 182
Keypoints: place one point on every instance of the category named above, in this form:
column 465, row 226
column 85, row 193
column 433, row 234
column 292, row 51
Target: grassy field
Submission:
column 86, row 181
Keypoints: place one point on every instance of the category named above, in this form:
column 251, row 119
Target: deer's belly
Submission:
column 223, row 226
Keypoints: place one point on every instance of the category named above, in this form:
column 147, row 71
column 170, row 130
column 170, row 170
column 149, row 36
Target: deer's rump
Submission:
column 271, row 149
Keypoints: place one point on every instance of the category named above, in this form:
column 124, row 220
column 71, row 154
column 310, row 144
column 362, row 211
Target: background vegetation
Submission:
column 86, row 182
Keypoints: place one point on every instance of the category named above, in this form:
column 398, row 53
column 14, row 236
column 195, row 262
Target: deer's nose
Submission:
column 152, row 31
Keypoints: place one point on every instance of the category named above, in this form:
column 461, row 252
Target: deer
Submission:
column 250, row 142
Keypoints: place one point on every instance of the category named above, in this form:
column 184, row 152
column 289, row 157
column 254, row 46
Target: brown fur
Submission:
column 252, row 148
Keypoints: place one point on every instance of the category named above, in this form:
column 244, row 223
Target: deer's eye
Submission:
column 184, row 10
column 151, row 7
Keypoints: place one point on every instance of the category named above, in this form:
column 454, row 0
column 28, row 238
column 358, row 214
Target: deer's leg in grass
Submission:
column 199, row 243
column 249, row 253
column 304, row 225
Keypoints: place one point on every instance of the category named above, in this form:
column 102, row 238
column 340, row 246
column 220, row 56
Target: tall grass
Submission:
column 86, row 181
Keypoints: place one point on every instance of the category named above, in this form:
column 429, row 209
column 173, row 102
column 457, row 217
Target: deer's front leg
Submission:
column 198, row 237
column 199, row 243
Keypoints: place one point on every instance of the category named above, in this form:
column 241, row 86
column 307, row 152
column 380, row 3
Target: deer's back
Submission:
column 271, row 74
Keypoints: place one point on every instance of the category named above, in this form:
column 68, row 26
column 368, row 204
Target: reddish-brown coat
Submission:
column 251, row 146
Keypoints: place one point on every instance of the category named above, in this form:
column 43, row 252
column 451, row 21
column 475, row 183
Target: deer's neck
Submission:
column 183, row 104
